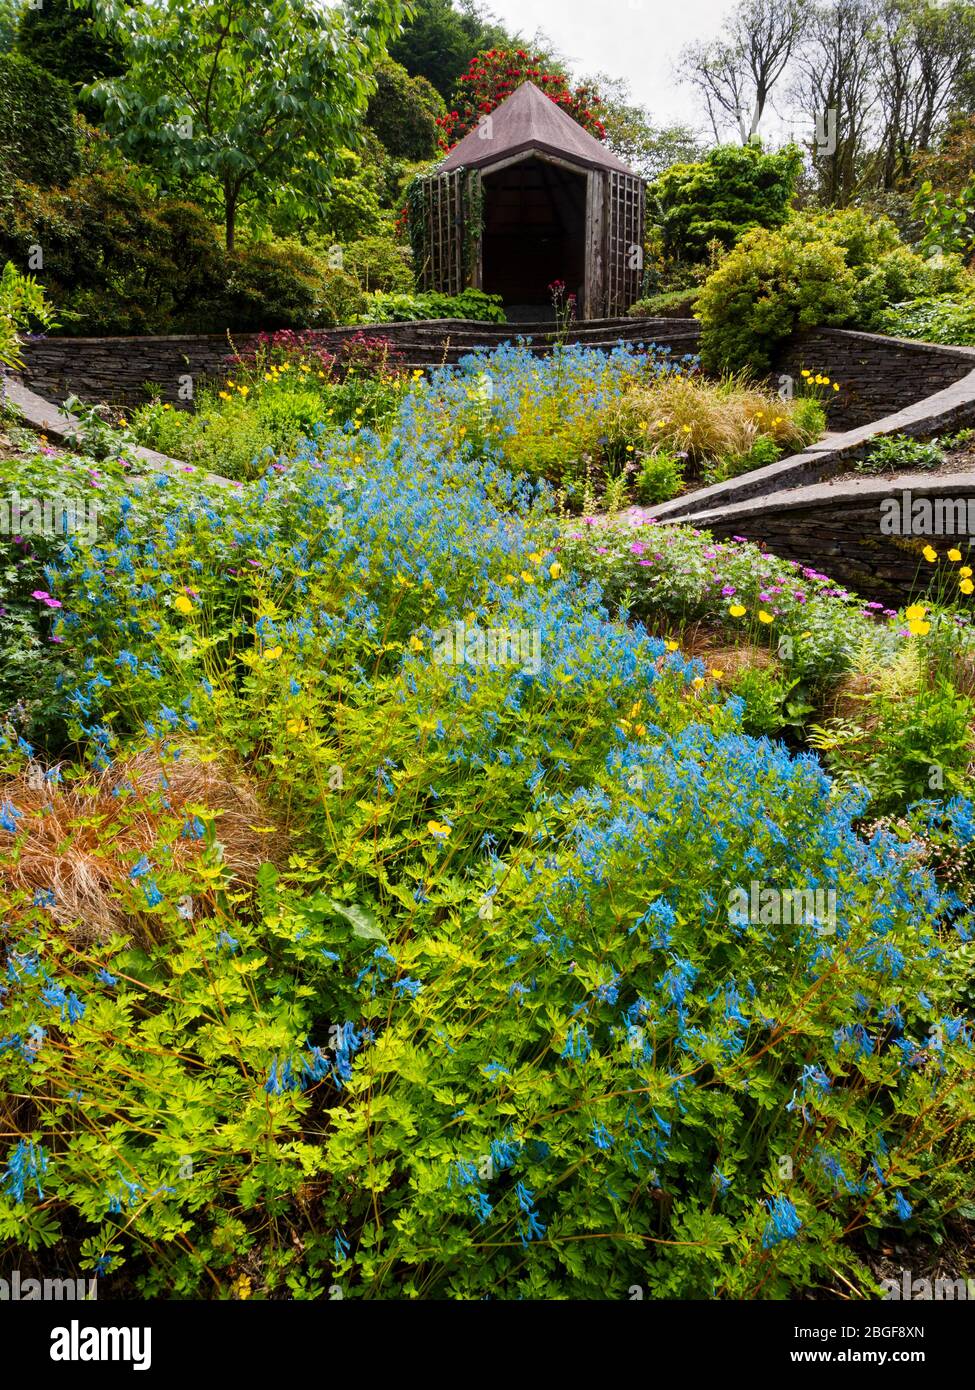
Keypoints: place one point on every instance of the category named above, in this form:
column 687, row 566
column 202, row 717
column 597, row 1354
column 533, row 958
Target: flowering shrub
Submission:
column 490, row 1026
column 493, row 76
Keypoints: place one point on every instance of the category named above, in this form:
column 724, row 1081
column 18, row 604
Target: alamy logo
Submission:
column 76, row 1343
column 492, row 646
column 783, row 907
column 907, row 515
column 48, row 516
column 925, row 1290
column 17, row 1290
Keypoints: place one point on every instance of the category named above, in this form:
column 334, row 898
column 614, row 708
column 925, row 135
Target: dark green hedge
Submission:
column 118, row 260
column 38, row 141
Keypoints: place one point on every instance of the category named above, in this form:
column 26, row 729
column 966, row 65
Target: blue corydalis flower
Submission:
column 784, row 1224
column 902, row 1206
column 27, row 1164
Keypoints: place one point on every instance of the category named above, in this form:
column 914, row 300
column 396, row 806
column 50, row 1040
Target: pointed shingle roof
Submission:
column 529, row 120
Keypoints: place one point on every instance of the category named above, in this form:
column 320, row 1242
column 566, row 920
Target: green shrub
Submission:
column 660, row 476
column 379, row 263
column 732, row 190
column 118, row 261
column 470, row 304
column 841, row 268
column 944, row 318
column 672, row 303
column 770, row 285
column 38, row 141
column 283, row 285
column 403, row 112
column 761, row 453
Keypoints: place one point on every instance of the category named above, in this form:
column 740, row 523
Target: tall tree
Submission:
column 61, row 37
column 922, row 55
column 442, row 38
column 259, row 98
column 737, row 72
column 835, row 85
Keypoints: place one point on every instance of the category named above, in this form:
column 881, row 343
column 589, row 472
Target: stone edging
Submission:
column 48, row 419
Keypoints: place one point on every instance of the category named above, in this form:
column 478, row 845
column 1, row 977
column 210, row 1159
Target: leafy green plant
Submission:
column 734, row 189
column 21, row 302
column 469, row 304
column 265, row 115
column 38, row 140
column 899, row 453
column 659, row 476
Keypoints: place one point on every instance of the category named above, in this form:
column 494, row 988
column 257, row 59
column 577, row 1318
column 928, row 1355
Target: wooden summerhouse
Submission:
column 527, row 198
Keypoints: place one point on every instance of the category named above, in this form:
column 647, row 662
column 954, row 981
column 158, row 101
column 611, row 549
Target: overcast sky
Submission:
column 635, row 39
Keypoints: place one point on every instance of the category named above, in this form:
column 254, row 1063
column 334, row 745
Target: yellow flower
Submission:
column 966, row 586
column 965, row 572
column 224, row 395
column 244, row 390
column 737, row 610
column 296, row 726
column 764, row 617
column 122, row 420
column 182, row 604
column 527, row 577
column 930, row 554
column 535, row 557
column 916, row 610
column 836, row 385
column 697, row 682
column 435, row 827
column 273, row 653
column 805, row 372
column 919, row 628
column 415, row 644
column 671, row 646
column 555, row 570
column 716, row 673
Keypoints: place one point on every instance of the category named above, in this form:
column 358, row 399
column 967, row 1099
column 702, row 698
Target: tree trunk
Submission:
column 230, row 216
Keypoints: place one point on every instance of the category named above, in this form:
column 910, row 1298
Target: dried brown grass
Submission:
column 81, row 839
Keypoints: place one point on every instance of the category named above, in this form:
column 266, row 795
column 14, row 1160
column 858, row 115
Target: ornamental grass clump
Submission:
column 80, row 843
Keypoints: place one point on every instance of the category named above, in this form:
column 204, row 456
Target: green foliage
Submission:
column 259, row 101
column 380, row 263
column 118, row 260
column 669, row 304
column 350, row 209
column 403, row 112
column 899, row 453
column 11, row 12
column 21, row 303
column 949, row 220
column 760, row 454
column 439, row 40
column 940, row 318
column 732, row 190
column 842, row 268
column 770, row 285
column 60, row 36
column 484, row 1021
column 469, row 304
column 38, row 141
column 899, row 748
column 660, row 476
